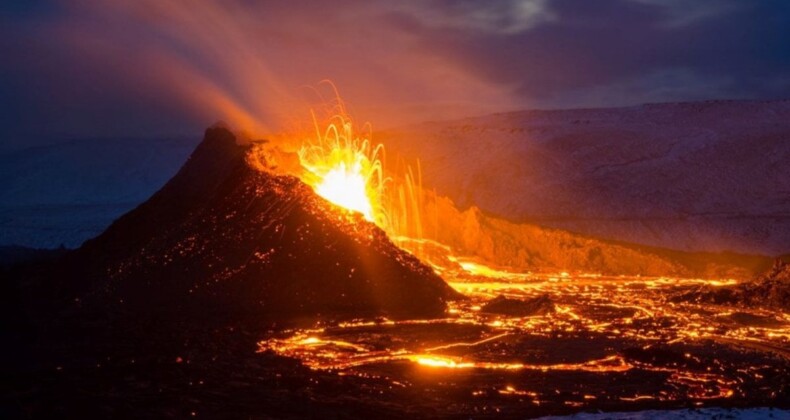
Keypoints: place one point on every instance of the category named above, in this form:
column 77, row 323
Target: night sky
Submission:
column 126, row 68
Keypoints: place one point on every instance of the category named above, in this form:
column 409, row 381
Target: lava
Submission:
column 609, row 328
column 339, row 159
column 345, row 168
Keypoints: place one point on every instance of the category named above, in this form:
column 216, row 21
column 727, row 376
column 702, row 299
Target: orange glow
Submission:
column 346, row 168
column 478, row 269
column 346, row 186
column 443, row 362
column 608, row 364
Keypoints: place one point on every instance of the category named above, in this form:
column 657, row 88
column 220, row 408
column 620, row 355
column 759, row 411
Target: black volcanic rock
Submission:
column 222, row 239
column 770, row 290
column 540, row 305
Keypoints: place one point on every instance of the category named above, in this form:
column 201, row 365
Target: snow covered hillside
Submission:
column 704, row 176
column 709, row 176
column 69, row 192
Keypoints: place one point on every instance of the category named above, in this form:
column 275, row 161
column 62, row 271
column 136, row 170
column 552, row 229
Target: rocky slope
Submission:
column 771, row 290
column 706, row 176
column 531, row 247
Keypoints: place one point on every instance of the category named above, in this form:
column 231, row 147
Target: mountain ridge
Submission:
column 693, row 176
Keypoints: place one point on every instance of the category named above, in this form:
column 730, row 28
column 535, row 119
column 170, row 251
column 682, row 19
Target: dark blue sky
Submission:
column 152, row 68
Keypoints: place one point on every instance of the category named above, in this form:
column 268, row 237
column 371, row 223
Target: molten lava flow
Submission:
column 345, row 168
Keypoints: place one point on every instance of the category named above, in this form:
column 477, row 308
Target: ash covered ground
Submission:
column 605, row 343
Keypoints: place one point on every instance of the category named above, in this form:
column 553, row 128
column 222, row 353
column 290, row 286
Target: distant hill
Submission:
column 69, row 192
column 702, row 176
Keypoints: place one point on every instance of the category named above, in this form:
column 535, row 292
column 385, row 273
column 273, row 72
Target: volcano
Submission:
column 222, row 238
column 237, row 291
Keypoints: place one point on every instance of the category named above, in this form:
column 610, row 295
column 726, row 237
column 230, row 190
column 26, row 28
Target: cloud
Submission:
column 498, row 17
column 685, row 12
column 588, row 46
column 670, row 84
column 254, row 64
column 91, row 67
